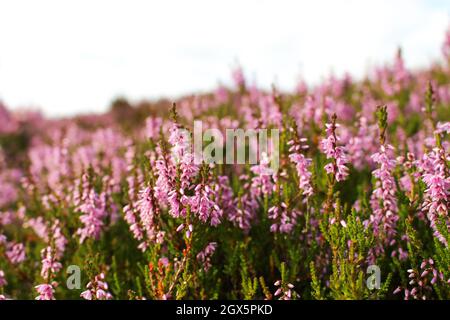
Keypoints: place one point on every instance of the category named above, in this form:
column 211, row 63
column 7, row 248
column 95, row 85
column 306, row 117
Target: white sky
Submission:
column 70, row 57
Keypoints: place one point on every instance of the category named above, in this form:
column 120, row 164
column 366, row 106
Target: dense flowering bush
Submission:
column 363, row 181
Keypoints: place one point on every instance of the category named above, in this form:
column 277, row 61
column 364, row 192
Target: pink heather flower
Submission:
column 46, row 292
column 437, row 194
column 166, row 172
column 284, row 291
column 406, row 183
column 182, row 154
column 346, row 111
column 302, row 165
column 130, row 155
column 3, row 281
column 94, row 211
column 9, row 179
column 15, row 252
column 188, row 170
column 183, row 159
column 421, row 281
column 97, row 289
column 49, row 164
column 163, row 261
column 147, row 208
column 58, row 238
column 224, row 199
column 284, row 220
column 383, row 200
column 3, row 239
column 81, row 190
column 311, row 111
column 38, row 225
column 7, row 217
column 246, row 211
column 189, row 231
column 140, row 207
column 111, row 208
column 270, row 112
column 205, row 255
column 180, row 141
column 443, row 128
column 134, row 181
column 251, row 122
column 332, row 151
column 246, row 206
column 203, row 204
column 221, row 95
column 363, row 145
column 224, row 195
column 130, row 218
column 152, row 127
column 176, row 208
column 262, row 182
column 87, row 295
column 49, row 265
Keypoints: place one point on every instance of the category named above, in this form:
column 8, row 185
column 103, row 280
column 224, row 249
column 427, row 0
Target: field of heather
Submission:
column 350, row 201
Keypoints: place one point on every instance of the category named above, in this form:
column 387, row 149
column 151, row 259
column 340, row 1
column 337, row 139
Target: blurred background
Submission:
column 69, row 58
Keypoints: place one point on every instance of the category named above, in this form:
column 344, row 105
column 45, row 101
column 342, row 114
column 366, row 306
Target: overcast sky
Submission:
column 70, row 57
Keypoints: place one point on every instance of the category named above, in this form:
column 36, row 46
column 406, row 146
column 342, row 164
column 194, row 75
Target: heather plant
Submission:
column 357, row 207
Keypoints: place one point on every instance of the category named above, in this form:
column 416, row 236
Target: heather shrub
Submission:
column 114, row 206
